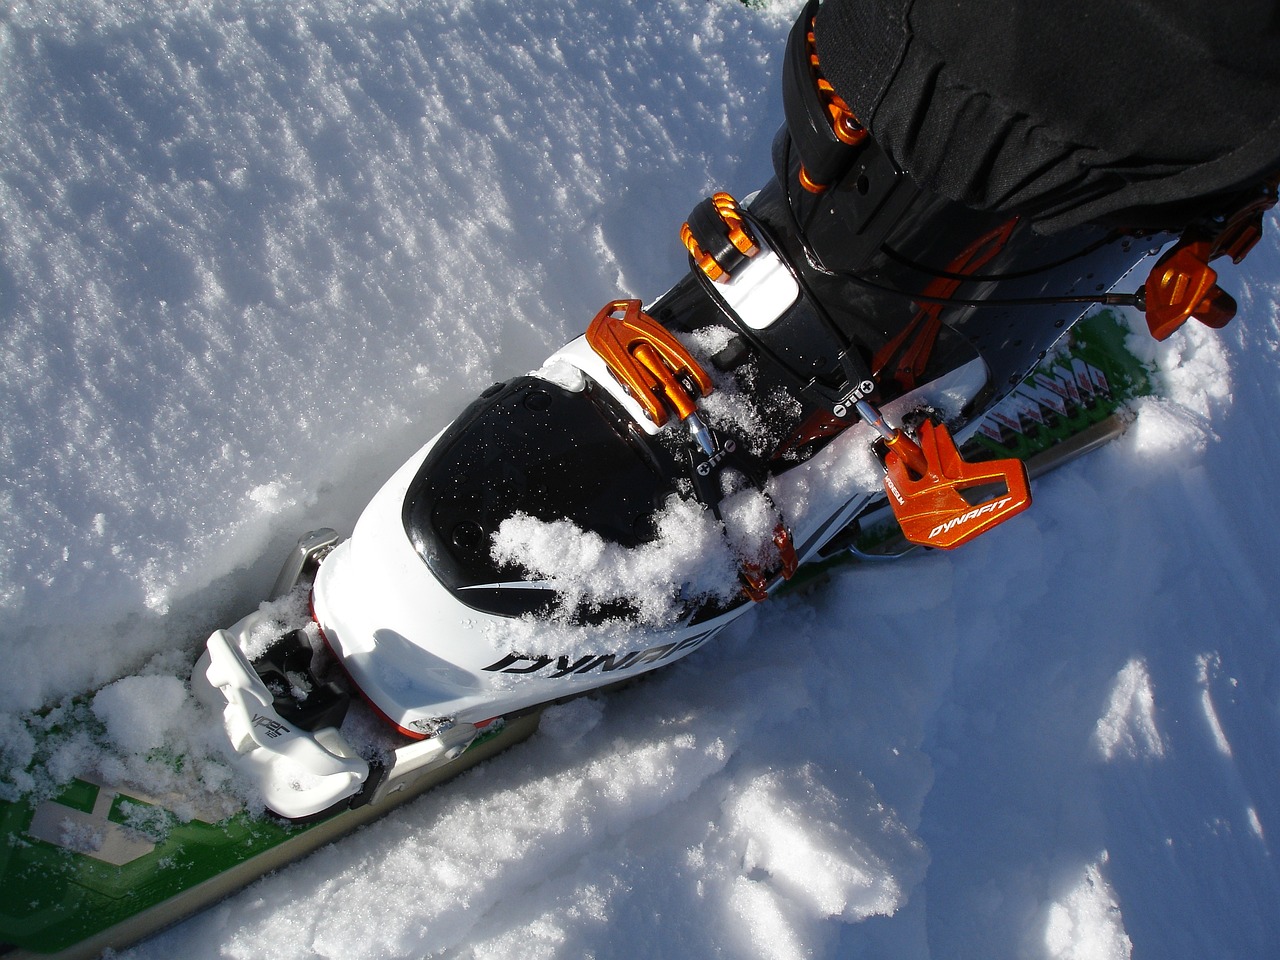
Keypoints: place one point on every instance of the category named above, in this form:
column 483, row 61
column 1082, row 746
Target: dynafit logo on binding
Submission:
column 969, row 517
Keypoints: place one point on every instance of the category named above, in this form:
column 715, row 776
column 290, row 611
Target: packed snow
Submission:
column 253, row 254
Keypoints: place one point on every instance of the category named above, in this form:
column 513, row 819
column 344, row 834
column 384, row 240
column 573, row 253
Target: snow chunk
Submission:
column 688, row 558
column 738, row 405
column 17, row 750
column 1086, row 924
column 81, row 837
column 562, row 374
column 1128, row 728
column 766, row 922
column 140, row 713
column 1192, row 379
column 290, row 612
column 1167, row 429
column 272, row 497
column 1192, row 366
column 809, row 860
column 1208, row 666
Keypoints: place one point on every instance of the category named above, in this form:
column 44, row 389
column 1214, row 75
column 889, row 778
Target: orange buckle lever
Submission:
column 926, row 483
column 1182, row 285
column 755, row 583
column 647, row 359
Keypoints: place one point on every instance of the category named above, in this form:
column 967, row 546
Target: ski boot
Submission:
column 839, row 336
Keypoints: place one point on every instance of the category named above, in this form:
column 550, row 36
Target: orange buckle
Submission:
column 736, row 232
column 928, row 502
column 755, row 583
column 741, row 238
column 647, row 359
column 1182, row 285
column 786, row 551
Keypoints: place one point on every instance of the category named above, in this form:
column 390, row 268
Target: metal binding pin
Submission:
column 700, row 433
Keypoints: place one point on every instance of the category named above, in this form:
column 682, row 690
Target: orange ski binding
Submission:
column 927, row 483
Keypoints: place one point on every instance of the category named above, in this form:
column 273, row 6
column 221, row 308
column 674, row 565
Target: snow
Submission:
column 1086, row 924
column 692, row 555
column 1128, row 728
column 141, row 713
column 253, row 254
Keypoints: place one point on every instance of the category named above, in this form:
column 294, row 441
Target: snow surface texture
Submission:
column 252, row 254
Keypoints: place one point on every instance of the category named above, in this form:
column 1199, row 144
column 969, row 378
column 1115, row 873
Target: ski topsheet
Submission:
column 79, row 874
column 101, row 864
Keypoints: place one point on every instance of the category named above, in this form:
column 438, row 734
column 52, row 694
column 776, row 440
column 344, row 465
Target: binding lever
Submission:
column 1183, row 285
column 653, row 366
column 927, row 483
